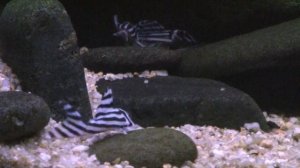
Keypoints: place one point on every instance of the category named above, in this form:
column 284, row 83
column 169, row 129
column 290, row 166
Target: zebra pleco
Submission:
column 106, row 118
column 147, row 33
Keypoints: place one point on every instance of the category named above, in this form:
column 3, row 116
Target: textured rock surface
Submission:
column 174, row 101
column 21, row 114
column 150, row 147
column 40, row 45
column 129, row 59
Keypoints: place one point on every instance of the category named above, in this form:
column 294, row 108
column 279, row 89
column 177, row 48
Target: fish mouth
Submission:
column 123, row 34
column 116, row 34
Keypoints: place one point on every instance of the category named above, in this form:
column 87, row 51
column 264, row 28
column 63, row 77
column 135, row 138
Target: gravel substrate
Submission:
column 216, row 147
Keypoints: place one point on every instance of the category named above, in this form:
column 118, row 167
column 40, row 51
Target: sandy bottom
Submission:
column 216, row 148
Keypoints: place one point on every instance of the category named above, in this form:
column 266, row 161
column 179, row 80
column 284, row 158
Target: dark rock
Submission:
column 129, row 59
column 176, row 101
column 21, row 114
column 40, row 46
column 276, row 46
column 150, row 147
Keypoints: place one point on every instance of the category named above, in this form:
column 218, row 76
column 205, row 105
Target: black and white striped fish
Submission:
column 148, row 33
column 106, row 118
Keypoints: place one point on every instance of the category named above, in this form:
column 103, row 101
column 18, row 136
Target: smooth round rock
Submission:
column 150, row 147
column 21, row 114
column 176, row 101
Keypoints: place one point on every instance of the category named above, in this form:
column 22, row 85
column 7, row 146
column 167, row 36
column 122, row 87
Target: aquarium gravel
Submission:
column 216, row 147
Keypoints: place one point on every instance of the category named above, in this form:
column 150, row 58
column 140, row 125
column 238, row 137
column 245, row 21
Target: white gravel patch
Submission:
column 216, row 147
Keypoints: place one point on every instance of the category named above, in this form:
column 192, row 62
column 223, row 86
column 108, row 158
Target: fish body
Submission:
column 106, row 118
column 147, row 33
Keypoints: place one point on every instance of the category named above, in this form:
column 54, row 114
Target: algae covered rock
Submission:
column 21, row 114
column 40, row 45
column 176, row 101
column 126, row 59
column 150, row 147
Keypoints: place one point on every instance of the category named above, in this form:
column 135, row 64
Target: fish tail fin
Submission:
column 72, row 126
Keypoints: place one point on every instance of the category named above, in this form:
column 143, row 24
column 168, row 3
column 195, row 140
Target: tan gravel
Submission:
column 216, row 147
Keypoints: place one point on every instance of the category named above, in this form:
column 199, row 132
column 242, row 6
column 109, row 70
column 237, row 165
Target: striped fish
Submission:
column 147, row 33
column 106, row 118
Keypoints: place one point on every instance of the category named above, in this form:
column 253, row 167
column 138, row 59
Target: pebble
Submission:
column 254, row 127
column 45, row 157
column 266, row 143
column 296, row 133
column 80, row 148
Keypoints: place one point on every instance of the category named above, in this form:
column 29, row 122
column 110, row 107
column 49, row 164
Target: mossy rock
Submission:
column 21, row 114
column 40, row 45
column 150, row 147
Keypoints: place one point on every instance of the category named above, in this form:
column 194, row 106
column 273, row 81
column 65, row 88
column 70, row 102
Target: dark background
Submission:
column 207, row 20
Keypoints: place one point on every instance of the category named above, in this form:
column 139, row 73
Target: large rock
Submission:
column 176, row 101
column 21, row 114
column 276, row 46
column 150, row 147
column 40, row 46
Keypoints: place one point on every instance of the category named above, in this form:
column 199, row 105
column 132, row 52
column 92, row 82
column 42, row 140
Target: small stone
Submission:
column 254, row 127
column 266, row 143
column 294, row 120
column 80, row 148
column 296, row 133
column 124, row 163
column 45, row 157
column 167, row 166
column 217, row 153
column 118, row 166
column 128, row 166
column 288, row 125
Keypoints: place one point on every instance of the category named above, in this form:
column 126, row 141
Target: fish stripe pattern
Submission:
column 106, row 118
column 147, row 33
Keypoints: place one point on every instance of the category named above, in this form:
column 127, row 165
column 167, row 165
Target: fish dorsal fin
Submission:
column 107, row 99
column 116, row 21
column 106, row 103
